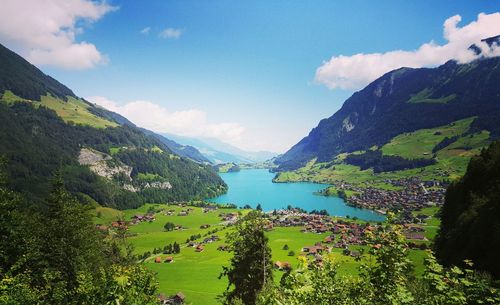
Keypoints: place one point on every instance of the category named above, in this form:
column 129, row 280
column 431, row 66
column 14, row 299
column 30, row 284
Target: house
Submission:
column 328, row 239
column 158, row 260
column 169, row 259
column 178, row 298
column 282, row 265
column 199, row 248
column 206, row 226
column 414, row 235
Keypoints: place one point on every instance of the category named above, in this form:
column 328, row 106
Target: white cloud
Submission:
column 356, row 71
column 170, row 33
column 145, row 31
column 44, row 31
column 190, row 123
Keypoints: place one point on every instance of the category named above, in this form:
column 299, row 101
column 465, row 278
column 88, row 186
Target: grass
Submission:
column 73, row 110
column 419, row 144
column 451, row 163
column 196, row 274
column 424, row 97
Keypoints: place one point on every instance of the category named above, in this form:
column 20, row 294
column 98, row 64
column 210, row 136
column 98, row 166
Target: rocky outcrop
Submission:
column 100, row 163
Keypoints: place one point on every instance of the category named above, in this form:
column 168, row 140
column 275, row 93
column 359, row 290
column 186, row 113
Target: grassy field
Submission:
column 196, row 273
column 73, row 110
column 451, row 163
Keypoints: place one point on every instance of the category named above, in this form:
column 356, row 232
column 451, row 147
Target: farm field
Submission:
column 195, row 274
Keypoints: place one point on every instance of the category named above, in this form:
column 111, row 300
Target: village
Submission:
column 411, row 194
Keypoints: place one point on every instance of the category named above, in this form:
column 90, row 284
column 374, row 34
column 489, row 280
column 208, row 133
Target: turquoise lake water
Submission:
column 254, row 186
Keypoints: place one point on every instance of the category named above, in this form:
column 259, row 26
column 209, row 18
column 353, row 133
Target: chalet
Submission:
column 183, row 213
column 199, row 248
column 328, row 239
column 169, row 259
column 158, row 259
column 313, row 249
column 282, row 265
column 205, row 226
column 102, row 228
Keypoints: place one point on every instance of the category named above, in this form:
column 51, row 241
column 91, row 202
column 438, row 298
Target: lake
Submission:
column 254, row 186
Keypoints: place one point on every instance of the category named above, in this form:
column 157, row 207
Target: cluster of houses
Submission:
column 142, row 218
column 414, row 194
column 229, row 218
column 199, row 246
column 185, row 212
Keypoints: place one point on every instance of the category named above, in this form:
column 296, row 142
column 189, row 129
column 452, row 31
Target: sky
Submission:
column 256, row 74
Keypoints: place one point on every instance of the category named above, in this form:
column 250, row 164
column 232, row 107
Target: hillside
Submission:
column 103, row 158
column 404, row 101
column 469, row 217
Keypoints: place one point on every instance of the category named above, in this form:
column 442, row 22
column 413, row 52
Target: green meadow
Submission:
column 451, row 160
column 196, row 273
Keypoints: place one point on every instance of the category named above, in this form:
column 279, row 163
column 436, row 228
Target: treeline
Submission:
column 36, row 142
column 383, row 163
column 470, row 217
column 444, row 143
column 53, row 254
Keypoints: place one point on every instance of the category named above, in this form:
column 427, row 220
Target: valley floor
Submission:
column 195, row 274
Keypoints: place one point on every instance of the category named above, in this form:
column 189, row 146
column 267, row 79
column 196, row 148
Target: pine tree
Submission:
column 251, row 264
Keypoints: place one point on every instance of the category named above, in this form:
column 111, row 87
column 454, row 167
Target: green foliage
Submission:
column 251, row 264
column 384, row 279
column 469, row 217
column 169, row 226
column 36, row 142
column 52, row 254
column 383, row 163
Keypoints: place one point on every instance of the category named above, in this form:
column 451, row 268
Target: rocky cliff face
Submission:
column 102, row 164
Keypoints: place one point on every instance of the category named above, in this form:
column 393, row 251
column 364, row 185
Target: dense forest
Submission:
column 383, row 163
column 470, row 226
column 35, row 141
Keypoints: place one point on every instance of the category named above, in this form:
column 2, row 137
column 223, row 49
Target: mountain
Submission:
column 402, row 102
column 103, row 157
column 219, row 152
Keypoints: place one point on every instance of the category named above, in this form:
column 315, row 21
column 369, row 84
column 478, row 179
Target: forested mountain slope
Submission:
column 404, row 101
column 45, row 127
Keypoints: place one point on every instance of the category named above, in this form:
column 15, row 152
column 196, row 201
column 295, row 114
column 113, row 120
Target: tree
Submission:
column 470, row 213
column 285, row 247
column 259, row 207
column 251, row 264
column 169, row 226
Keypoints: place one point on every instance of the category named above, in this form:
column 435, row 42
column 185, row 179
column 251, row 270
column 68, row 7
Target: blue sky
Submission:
column 249, row 66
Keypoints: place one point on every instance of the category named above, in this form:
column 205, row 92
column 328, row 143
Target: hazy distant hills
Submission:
column 219, row 152
column 404, row 101
column 104, row 158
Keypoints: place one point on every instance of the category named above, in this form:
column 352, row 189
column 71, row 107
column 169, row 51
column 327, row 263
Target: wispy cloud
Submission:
column 191, row 122
column 170, row 33
column 356, row 71
column 45, row 31
column 145, row 31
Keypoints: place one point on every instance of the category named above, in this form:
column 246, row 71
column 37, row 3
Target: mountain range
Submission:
column 401, row 103
column 220, row 152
